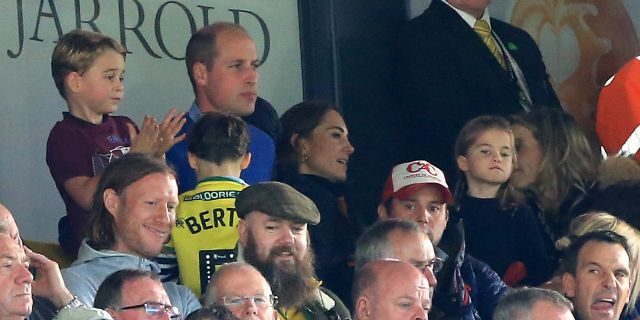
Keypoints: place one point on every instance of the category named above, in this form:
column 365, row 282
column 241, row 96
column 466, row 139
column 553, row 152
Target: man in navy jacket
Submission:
column 467, row 288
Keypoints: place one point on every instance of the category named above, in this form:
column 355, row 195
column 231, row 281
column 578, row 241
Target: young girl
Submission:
column 506, row 236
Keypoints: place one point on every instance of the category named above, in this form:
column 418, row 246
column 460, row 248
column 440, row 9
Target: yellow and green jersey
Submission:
column 206, row 234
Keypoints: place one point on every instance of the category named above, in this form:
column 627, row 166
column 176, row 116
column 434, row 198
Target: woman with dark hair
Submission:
column 312, row 156
column 556, row 166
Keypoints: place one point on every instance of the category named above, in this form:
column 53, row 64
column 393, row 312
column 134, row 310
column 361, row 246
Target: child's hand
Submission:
column 170, row 126
column 147, row 140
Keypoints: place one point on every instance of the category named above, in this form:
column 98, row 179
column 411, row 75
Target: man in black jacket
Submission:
column 447, row 75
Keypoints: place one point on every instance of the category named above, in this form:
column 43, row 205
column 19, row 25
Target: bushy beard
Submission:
column 293, row 283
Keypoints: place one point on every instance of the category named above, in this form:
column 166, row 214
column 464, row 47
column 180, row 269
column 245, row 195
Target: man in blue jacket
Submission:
column 467, row 288
column 222, row 63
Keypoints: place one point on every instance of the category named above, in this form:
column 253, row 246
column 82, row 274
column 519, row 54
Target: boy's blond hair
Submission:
column 76, row 51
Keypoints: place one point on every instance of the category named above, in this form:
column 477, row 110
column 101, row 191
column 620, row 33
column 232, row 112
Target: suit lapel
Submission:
column 463, row 42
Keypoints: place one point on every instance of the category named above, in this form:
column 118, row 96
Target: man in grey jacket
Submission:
column 132, row 216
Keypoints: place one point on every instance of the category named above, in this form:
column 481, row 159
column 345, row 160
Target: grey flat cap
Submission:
column 277, row 200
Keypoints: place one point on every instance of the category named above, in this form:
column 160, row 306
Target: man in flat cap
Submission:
column 274, row 239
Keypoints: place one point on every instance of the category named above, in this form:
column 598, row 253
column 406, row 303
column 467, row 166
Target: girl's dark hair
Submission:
column 298, row 121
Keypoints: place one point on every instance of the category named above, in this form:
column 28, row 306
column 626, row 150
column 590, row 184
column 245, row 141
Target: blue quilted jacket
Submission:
column 467, row 288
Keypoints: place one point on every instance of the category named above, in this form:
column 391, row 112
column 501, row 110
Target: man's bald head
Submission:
column 381, row 286
column 241, row 280
column 8, row 225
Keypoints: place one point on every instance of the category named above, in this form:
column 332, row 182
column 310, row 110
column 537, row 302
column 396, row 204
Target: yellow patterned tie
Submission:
column 482, row 28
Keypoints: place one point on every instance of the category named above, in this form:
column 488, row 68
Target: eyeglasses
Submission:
column 259, row 301
column 435, row 265
column 155, row 309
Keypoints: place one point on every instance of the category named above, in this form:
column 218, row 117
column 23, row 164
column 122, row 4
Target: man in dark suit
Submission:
column 447, row 75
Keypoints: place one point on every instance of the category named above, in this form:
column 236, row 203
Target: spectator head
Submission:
column 275, row 240
column 219, row 138
column 417, row 191
column 76, row 52
column 596, row 274
column 8, row 225
column 314, row 140
column 15, row 280
column 403, row 240
column 390, row 290
column 134, row 294
column 533, row 304
column 134, row 206
column 595, row 221
column 485, row 153
column 222, row 63
column 243, row 290
column 554, row 156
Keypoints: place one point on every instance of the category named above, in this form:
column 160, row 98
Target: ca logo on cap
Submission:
column 421, row 165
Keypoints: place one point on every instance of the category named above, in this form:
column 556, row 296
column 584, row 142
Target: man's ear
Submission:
column 111, row 201
column 569, row 284
column 446, row 211
column 382, row 212
column 463, row 164
column 192, row 160
column 200, row 73
column 363, row 308
column 246, row 160
column 243, row 231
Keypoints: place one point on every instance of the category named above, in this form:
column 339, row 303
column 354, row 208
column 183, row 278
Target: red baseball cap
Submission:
column 406, row 178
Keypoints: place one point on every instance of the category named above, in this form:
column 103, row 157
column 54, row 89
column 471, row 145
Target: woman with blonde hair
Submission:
column 556, row 166
column 594, row 221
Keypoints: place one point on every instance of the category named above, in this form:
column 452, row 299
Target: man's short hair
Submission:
column 109, row 295
column 217, row 137
column 518, row 303
column 202, row 46
column 210, row 297
column 76, row 51
column 374, row 243
column 118, row 176
column 365, row 277
column 570, row 261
